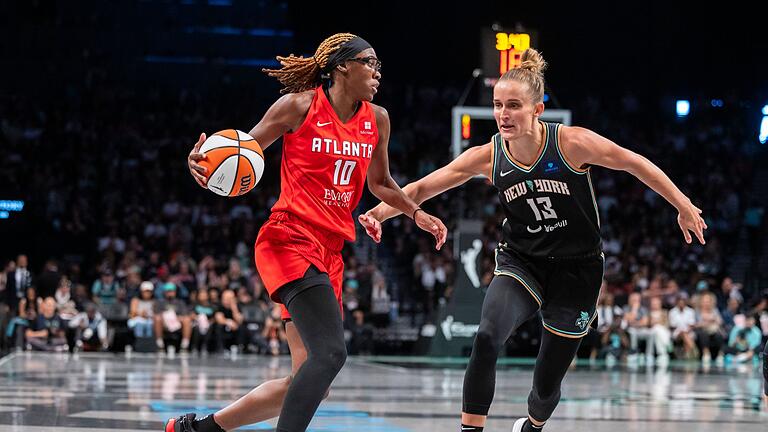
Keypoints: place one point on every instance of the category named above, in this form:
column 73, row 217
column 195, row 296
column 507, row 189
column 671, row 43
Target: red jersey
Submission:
column 324, row 166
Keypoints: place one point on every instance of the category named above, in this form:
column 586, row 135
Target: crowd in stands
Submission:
column 126, row 250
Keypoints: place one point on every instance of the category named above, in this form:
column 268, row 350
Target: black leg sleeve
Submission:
column 506, row 306
column 555, row 355
column 765, row 367
column 315, row 312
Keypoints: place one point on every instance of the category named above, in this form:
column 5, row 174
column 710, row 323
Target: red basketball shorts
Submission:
column 285, row 248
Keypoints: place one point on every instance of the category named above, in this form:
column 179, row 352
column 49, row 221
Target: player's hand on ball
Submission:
column 431, row 224
column 689, row 219
column 198, row 171
column 372, row 226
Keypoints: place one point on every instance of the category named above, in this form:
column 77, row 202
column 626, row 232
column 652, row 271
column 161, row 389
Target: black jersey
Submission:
column 550, row 206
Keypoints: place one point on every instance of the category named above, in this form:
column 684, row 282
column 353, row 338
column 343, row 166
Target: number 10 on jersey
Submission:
column 343, row 172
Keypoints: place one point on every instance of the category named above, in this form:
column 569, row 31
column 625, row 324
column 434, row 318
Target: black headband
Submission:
column 346, row 51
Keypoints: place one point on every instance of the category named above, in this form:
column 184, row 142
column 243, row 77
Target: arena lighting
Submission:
column 546, row 98
column 11, row 205
column 763, row 136
column 683, row 108
column 8, row 206
column 717, row 103
column 465, row 126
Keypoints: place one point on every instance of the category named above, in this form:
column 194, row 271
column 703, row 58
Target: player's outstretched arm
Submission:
column 582, row 146
column 286, row 114
column 473, row 162
column 382, row 186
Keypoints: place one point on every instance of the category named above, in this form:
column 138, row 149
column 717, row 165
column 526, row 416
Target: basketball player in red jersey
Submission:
column 332, row 137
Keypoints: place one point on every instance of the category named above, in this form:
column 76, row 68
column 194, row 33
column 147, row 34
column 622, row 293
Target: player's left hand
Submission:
column 689, row 219
column 372, row 226
column 431, row 224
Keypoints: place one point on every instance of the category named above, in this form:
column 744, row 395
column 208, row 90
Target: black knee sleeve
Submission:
column 488, row 341
column 331, row 356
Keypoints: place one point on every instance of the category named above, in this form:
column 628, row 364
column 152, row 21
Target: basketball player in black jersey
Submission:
column 550, row 259
column 765, row 374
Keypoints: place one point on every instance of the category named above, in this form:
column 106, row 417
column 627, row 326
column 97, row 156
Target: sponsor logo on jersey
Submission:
column 336, row 198
column 551, row 167
column 366, row 127
column 547, row 228
column 561, row 224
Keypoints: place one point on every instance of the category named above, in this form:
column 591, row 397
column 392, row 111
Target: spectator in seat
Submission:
column 142, row 311
column 708, row 327
column 203, row 318
column 637, row 324
column 608, row 314
column 659, row 323
column 90, row 329
column 172, row 319
column 745, row 340
column 104, row 288
column 47, row 331
column 682, row 319
column 229, row 320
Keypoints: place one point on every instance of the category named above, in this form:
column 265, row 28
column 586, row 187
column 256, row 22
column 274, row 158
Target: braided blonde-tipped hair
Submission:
column 531, row 72
column 299, row 74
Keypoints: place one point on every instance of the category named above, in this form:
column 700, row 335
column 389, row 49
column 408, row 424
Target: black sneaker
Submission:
column 180, row 424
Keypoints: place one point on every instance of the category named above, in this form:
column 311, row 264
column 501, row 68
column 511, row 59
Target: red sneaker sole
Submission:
column 169, row 426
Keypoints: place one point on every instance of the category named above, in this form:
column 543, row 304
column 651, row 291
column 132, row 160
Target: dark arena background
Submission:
column 102, row 101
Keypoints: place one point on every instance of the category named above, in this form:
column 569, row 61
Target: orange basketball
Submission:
column 234, row 162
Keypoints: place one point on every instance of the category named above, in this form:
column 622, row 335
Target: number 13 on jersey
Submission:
column 546, row 211
column 343, row 172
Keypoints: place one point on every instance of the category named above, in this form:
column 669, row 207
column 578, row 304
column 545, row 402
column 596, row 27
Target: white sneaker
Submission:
column 742, row 357
column 663, row 361
column 518, row 426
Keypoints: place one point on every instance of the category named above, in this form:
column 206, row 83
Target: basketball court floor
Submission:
column 107, row 393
